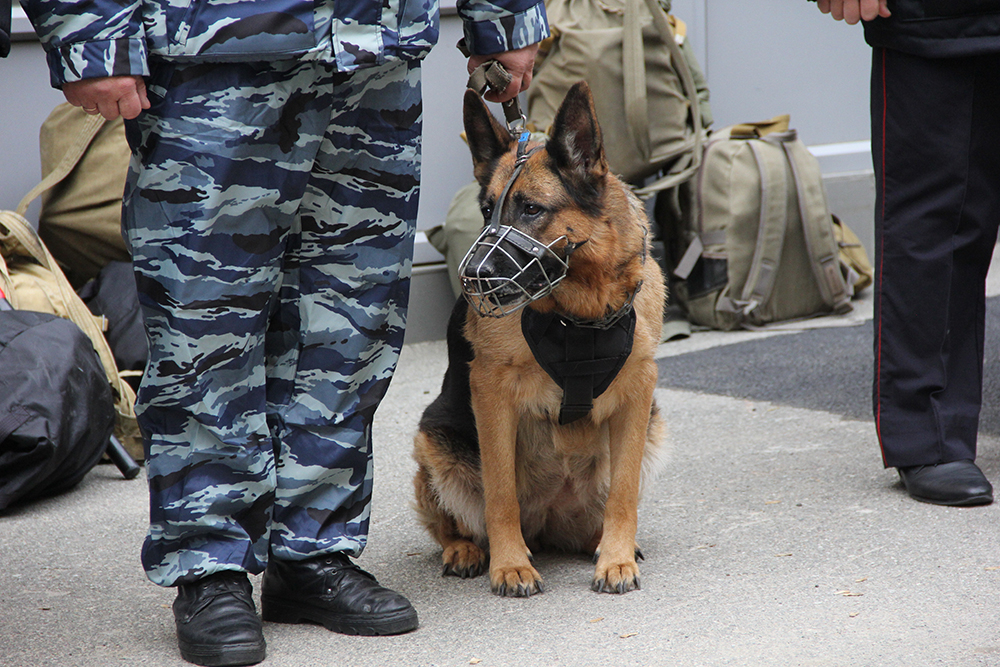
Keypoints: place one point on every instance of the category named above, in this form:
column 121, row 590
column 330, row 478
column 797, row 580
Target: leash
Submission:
column 494, row 76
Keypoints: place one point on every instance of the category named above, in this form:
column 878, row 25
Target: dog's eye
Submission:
column 532, row 209
column 487, row 212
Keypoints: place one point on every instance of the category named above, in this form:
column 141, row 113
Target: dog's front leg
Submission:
column 617, row 571
column 511, row 573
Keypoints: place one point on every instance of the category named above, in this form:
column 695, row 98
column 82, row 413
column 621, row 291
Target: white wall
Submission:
column 766, row 57
column 761, row 57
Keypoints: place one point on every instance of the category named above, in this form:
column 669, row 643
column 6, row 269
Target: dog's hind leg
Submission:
column 461, row 556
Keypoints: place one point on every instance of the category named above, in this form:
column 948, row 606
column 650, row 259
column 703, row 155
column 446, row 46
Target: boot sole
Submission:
column 231, row 655
column 280, row 611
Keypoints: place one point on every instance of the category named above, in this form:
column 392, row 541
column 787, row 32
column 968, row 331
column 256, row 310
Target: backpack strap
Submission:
column 634, row 76
column 634, row 82
column 701, row 237
column 69, row 161
column 771, row 230
column 821, row 242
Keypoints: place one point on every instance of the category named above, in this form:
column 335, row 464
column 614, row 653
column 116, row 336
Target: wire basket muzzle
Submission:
column 505, row 270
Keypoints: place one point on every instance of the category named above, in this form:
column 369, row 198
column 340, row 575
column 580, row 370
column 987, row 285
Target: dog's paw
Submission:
column 616, row 578
column 515, row 582
column 597, row 554
column 463, row 559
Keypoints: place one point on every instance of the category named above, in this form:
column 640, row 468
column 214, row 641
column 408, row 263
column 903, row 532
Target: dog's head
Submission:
column 539, row 203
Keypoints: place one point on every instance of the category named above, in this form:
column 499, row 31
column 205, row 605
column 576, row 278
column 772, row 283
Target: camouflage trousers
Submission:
column 270, row 211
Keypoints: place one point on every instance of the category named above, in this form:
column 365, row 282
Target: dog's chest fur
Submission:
column 562, row 482
column 562, row 471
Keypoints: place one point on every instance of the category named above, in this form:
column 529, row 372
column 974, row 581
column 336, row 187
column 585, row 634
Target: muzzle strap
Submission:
column 489, row 293
column 522, row 156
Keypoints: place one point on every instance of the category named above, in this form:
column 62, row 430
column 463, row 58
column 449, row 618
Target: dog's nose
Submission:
column 482, row 265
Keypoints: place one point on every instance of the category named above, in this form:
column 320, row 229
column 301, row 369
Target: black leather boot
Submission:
column 334, row 592
column 217, row 623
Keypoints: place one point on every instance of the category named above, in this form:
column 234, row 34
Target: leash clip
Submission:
column 516, row 122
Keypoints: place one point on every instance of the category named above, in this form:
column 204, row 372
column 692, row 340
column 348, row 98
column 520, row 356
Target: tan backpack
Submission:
column 80, row 216
column 31, row 279
column 645, row 93
column 763, row 247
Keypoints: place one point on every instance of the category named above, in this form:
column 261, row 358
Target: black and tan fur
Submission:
column 498, row 476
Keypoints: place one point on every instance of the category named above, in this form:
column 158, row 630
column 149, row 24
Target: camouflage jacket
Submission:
column 92, row 38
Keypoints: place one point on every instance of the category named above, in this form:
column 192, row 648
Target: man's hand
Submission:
column 110, row 96
column 853, row 11
column 518, row 64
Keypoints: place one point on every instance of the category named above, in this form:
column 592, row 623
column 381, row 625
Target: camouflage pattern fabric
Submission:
column 93, row 38
column 270, row 210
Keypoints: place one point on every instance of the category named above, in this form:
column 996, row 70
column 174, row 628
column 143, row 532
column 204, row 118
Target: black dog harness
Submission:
column 583, row 360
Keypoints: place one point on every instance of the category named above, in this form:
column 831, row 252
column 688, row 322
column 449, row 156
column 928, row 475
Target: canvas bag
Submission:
column 32, row 280
column 80, row 216
column 857, row 268
column 763, row 247
column 461, row 228
column 644, row 91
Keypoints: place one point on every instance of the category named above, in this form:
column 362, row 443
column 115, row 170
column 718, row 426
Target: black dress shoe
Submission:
column 217, row 623
column 334, row 592
column 958, row 483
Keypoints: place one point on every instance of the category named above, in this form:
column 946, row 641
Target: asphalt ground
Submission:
column 774, row 537
column 827, row 369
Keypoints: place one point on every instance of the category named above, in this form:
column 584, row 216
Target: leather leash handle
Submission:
column 493, row 76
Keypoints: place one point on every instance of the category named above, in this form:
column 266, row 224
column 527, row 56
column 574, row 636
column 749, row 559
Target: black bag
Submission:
column 113, row 295
column 56, row 408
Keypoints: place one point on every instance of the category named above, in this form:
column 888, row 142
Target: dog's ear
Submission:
column 576, row 145
column 488, row 139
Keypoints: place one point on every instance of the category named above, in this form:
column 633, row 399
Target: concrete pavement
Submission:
column 775, row 537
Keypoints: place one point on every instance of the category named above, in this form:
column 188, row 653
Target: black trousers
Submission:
column 936, row 150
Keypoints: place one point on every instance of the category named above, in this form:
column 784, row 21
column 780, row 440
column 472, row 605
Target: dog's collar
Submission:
column 610, row 319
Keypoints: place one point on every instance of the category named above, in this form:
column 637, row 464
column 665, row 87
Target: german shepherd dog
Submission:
column 498, row 474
